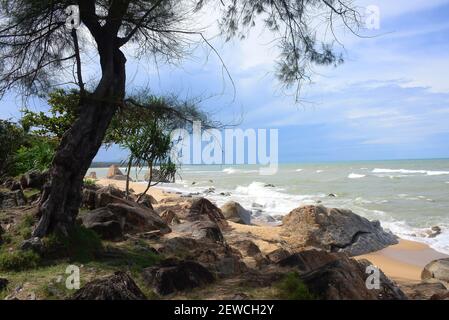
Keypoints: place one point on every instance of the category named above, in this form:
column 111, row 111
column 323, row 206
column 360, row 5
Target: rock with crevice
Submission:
column 437, row 270
column 202, row 209
column 207, row 231
column 335, row 230
column 173, row 276
column 119, row 286
column 425, row 291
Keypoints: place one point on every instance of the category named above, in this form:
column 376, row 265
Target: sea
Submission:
column 408, row 197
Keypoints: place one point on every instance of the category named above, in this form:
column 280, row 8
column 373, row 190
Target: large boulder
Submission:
column 425, row 291
column 119, row 286
column 115, row 220
column 114, row 171
column 34, row 179
column 251, row 253
column 11, row 199
column 234, row 212
column 172, row 276
column 201, row 230
column 219, row 258
column 345, row 279
column 308, row 260
column 437, row 270
column 335, row 230
column 202, row 209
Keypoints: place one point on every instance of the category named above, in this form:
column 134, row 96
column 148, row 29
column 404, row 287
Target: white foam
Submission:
column 319, row 171
column 406, row 171
column 229, row 170
column 299, row 170
column 356, row 176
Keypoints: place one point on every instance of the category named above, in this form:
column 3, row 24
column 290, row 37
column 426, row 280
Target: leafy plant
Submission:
column 11, row 137
column 38, row 154
column 80, row 244
column 291, row 287
column 18, row 260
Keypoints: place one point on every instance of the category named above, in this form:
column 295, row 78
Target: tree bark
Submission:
column 61, row 196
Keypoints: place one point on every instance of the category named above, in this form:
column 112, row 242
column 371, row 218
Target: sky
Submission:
column 389, row 100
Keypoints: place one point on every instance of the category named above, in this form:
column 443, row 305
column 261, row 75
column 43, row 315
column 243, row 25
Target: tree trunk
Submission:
column 61, row 196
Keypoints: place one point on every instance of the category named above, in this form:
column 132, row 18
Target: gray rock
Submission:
column 234, row 212
column 278, row 255
column 173, row 276
column 335, row 230
column 425, row 290
column 114, row 220
column 34, row 179
column 201, row 230
column 437, row 270
column 119, row 286
column 11, row 199
column 34, row 244
column 345, row 279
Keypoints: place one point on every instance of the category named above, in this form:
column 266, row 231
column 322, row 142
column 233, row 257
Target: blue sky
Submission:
column 389, row 100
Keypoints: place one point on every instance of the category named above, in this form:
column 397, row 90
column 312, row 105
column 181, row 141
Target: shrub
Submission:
column 291, row 287
column 37, row 154
column 81, row 245
column 89, row 182
column 11, row 137
column 25, row 226
column 18, row 260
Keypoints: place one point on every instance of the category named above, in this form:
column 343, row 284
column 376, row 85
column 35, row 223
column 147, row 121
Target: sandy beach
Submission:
column 402, row 262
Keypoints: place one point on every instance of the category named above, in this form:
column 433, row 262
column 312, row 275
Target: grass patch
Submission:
column 291, row 287
column 80, row 245
column 18, row 260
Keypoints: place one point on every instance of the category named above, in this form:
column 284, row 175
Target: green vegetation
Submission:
column 36, row 154
column 18, row 260
column 11, row 137
column 80, row 245
column 291, row 287
column 89, row 182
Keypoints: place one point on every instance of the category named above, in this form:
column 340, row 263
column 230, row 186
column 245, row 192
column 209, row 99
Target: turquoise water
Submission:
column 407, row 196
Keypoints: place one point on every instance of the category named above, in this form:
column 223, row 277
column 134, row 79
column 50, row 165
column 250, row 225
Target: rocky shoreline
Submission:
column 204, row 252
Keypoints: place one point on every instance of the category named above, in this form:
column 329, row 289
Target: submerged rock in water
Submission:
column 119, row 286
column 335, row 230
